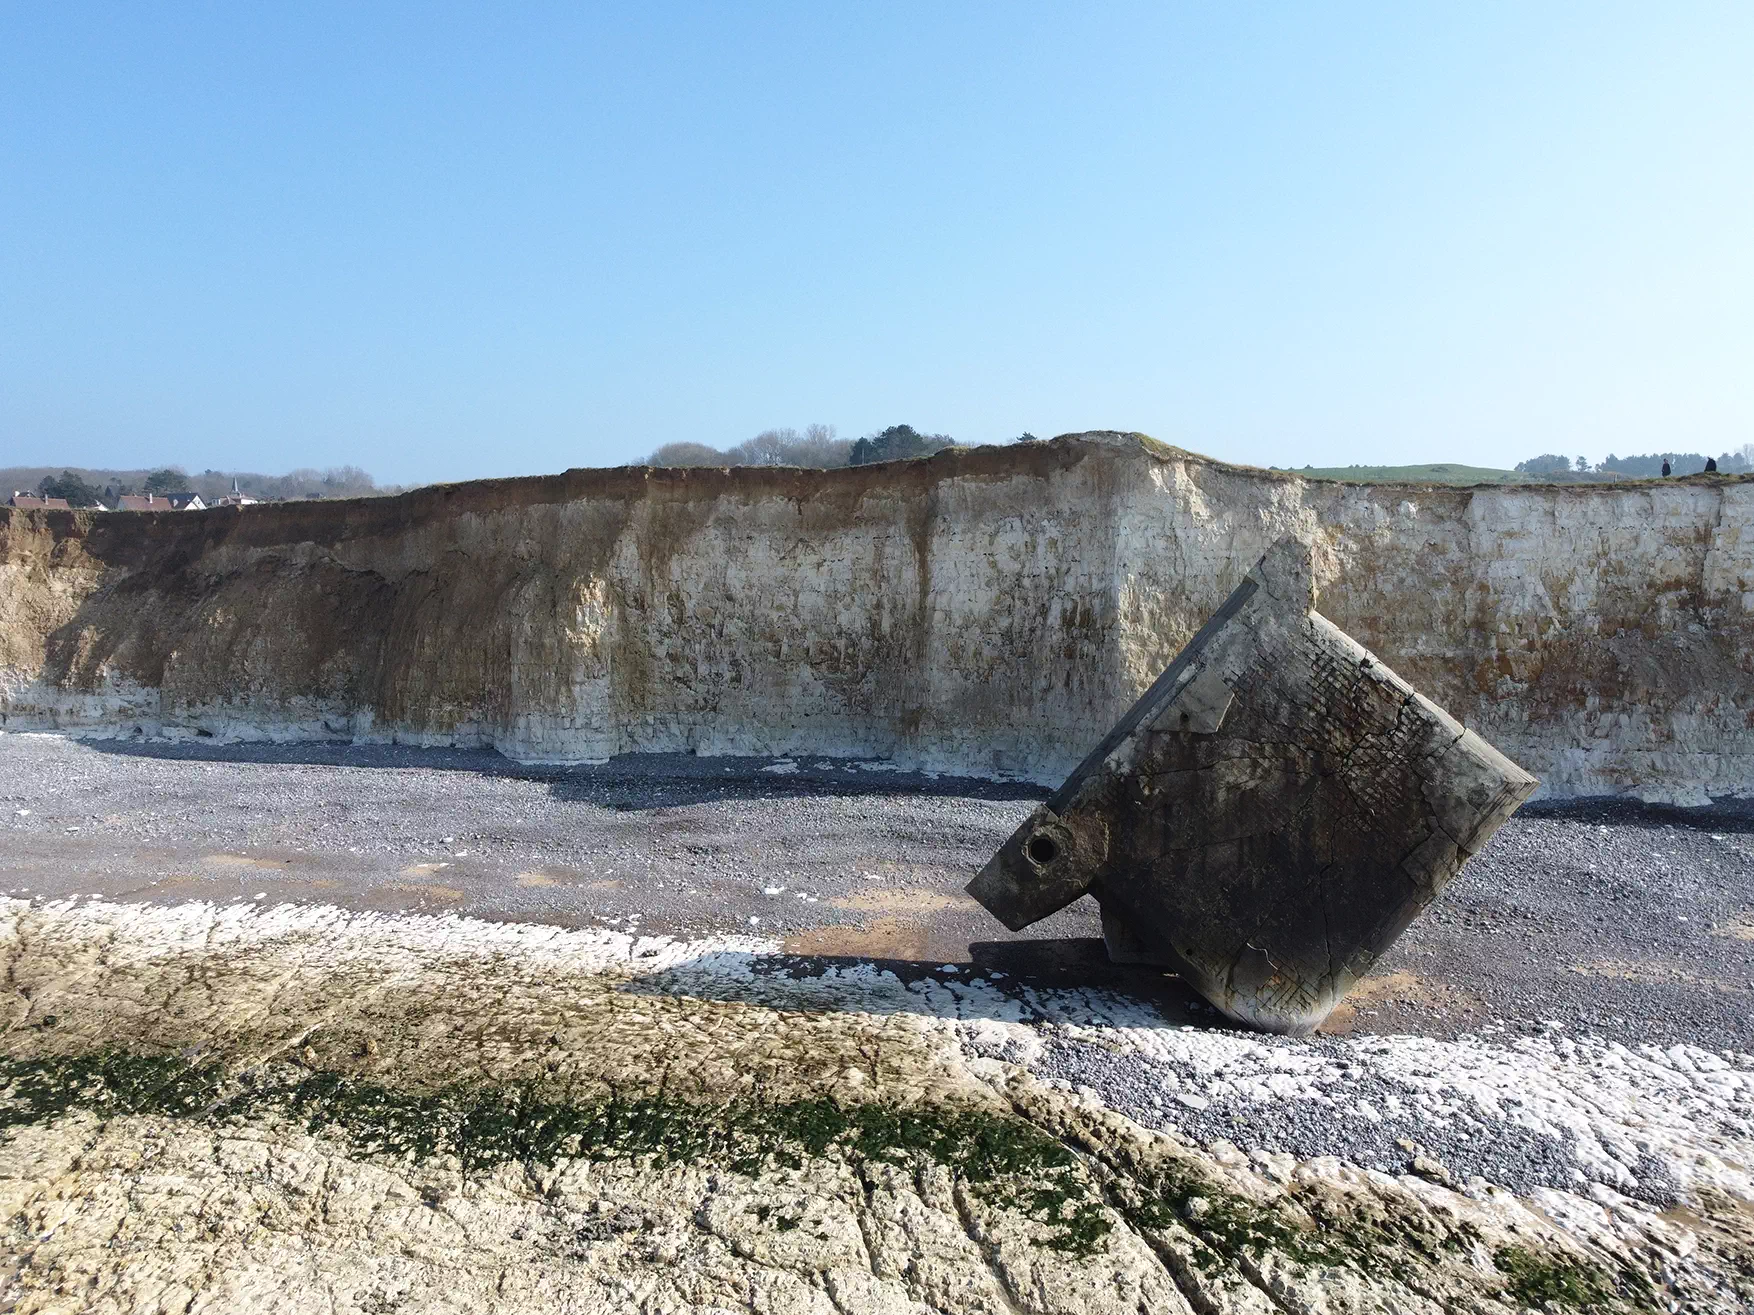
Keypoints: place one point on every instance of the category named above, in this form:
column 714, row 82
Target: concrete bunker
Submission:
column 1268, row 817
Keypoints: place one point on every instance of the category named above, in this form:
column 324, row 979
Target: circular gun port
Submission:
column 1042, row 849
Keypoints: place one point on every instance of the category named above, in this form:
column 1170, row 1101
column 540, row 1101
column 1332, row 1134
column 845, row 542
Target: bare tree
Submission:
column 768, row 448
column 816, row 447
column 687, row 454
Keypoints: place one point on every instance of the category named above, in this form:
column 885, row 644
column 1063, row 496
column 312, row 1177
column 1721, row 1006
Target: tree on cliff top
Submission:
column 897, row 443
column 816, row 447
column 1650, row 464
column 71, row 486
column 1550, row 463
column 167, row 481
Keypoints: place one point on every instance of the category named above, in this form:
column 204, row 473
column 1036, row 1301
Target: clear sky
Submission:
column 445, row 241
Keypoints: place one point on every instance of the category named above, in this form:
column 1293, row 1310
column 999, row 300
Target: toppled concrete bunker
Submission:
column 1269, row 817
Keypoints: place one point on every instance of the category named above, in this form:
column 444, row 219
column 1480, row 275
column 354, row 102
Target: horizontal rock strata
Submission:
column 986, row 611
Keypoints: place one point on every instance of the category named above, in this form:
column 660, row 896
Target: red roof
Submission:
column 143, row 502
column 30, row 500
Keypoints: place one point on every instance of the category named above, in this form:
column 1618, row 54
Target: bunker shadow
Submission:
column 633, row 782
column 636, row 782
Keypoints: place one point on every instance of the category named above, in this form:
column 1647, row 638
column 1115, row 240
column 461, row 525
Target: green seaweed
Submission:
column 111, row 1083
column 1310, row 1230
column 1005, row 1160
column 1536, row 1280
column 1229, row 1224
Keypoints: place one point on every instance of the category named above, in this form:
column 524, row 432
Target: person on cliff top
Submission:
column 1711, row 465
column 1665, row 469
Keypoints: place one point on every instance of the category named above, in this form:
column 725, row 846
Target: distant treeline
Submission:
column 814, row 446
column 89, row 488
column 1650, row 465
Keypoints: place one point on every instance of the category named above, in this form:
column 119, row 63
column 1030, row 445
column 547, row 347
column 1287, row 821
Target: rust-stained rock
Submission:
column 1269, row 816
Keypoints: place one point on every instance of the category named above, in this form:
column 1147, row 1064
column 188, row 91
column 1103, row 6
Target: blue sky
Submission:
column 447, row 241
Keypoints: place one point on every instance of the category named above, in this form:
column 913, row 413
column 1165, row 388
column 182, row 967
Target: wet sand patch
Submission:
column 449, row 894
column 198, row 881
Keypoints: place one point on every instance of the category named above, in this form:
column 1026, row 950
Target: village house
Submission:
column 27, row 501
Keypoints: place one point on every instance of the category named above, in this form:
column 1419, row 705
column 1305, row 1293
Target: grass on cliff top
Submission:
column 1439, row 473
column 1006, row 1160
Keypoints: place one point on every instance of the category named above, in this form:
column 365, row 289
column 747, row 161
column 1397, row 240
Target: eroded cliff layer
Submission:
column 984, row 611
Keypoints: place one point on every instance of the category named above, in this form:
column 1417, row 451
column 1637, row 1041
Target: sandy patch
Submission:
column 1398, row 988
column 899, row 928
column 418, row 870
column 886, row 938
column 539, row 877
column 182, row 881
column 1654, row 974
column 901, row 903
column 234, row 862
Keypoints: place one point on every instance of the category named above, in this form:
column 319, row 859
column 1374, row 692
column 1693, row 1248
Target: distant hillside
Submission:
column 336, row 482
column 1447, row 472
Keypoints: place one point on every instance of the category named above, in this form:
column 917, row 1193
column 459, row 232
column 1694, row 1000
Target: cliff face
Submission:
column 989, row 611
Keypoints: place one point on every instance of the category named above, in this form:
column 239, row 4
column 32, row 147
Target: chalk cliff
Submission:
column 988, row 611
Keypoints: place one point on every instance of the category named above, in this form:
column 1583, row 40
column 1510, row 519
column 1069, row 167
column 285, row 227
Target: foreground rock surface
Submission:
column 1268, row 817
column 218, row 1108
